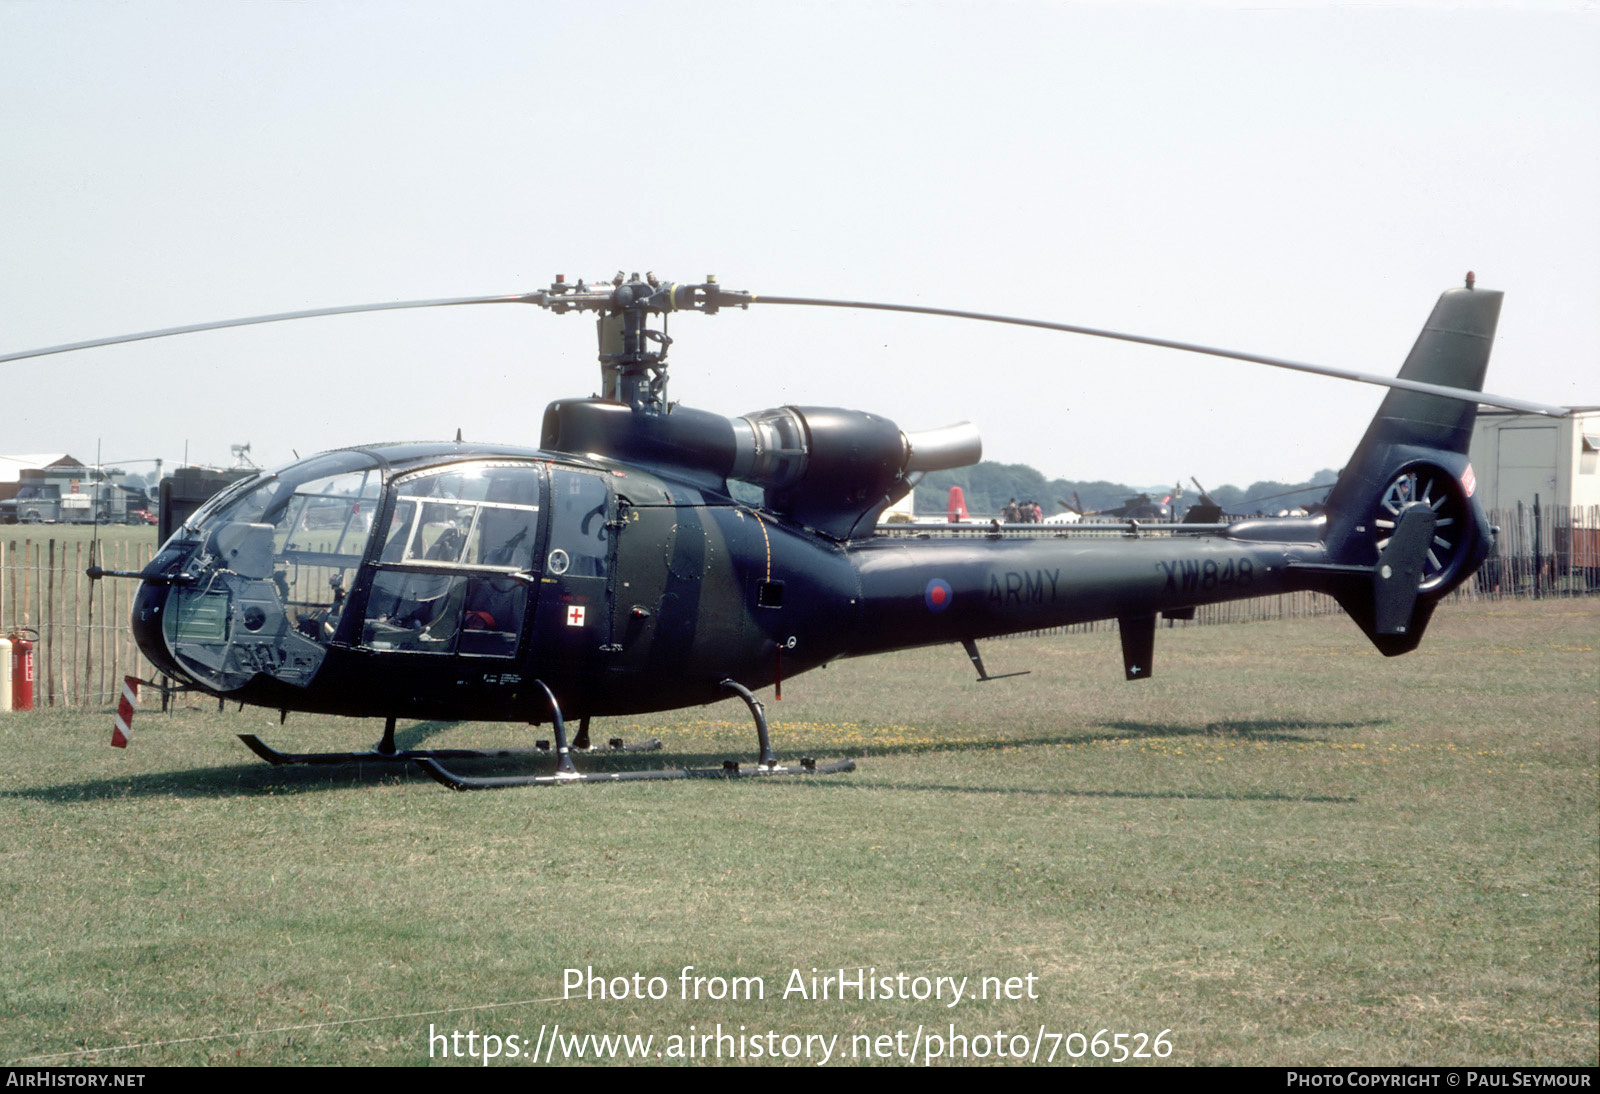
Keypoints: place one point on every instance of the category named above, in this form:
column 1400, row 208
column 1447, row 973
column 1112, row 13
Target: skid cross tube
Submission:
column 386, row 746
column 564, row 766
column 768, row 759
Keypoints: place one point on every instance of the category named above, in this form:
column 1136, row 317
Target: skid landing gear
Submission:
column 386, row 752
column 766, row 764
column 404, row 755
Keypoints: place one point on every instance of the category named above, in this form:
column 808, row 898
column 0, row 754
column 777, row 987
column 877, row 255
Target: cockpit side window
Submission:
column 456, row 562
column 331, row 516
column 579, row 535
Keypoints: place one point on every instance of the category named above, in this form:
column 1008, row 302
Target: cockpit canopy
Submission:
column 275, row 563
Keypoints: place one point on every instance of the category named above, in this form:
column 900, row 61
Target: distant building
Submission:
column 1515, row 456
column 12, row 467
column 55, row 488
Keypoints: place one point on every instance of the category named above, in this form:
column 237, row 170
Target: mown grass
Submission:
column 1283, row 849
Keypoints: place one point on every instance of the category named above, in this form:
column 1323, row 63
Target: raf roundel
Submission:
column 937, row 595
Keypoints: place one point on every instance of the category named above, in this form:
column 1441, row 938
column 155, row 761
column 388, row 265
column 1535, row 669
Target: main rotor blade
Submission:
column 1464, row 394
column 525, row 298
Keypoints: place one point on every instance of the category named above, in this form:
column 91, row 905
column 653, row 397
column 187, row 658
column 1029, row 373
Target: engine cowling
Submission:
column 831, row 469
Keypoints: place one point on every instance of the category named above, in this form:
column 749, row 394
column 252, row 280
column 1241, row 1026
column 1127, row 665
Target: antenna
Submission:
column 94, row 540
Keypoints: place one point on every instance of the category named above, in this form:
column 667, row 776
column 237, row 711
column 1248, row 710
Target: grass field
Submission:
column 1283, row 849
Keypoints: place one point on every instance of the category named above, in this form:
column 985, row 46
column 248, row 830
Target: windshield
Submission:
column 260, row 489
column 274, row 558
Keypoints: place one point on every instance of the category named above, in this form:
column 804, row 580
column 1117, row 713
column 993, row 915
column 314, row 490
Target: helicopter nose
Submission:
column 149, row 615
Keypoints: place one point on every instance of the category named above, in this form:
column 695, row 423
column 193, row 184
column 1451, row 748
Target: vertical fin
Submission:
column 1138, row 645
column 1415, row 440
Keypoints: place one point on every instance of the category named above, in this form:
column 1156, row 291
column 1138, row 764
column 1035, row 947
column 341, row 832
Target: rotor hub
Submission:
column 633, row 355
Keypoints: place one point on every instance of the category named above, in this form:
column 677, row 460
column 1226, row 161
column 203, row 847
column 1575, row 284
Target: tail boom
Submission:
column 1401, row 529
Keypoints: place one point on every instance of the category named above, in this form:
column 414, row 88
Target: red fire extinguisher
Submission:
column 22, row 669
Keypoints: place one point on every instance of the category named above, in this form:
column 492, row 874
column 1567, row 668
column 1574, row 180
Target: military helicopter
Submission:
column 613, row 570
column 1142, row 507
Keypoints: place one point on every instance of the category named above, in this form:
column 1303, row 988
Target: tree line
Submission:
column 987, row 487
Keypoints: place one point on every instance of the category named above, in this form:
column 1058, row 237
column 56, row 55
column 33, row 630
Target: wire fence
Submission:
column 1540, row 551
column 1543, row 551
column 82, row 643
column 84, row 646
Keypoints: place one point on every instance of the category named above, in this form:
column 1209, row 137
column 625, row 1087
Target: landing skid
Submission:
column 767, row 764
column 729, row 770
column 386, row 752
column 407, row 755
column 428, row 759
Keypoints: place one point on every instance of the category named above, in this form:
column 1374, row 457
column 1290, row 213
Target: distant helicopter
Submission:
column 611, row 571
column 1143, row 507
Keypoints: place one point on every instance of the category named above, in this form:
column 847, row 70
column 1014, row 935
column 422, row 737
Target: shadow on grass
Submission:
column 1261, row 729
column 1165, row 795
column 417, row 735
column 1266, row 731
column 259, row 778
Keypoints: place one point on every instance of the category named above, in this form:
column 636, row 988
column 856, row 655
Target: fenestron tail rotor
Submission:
column 1426, row 484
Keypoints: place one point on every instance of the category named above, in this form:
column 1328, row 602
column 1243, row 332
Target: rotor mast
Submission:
column 633, row 356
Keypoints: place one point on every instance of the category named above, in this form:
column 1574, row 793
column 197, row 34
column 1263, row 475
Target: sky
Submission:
column 1293, row 180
